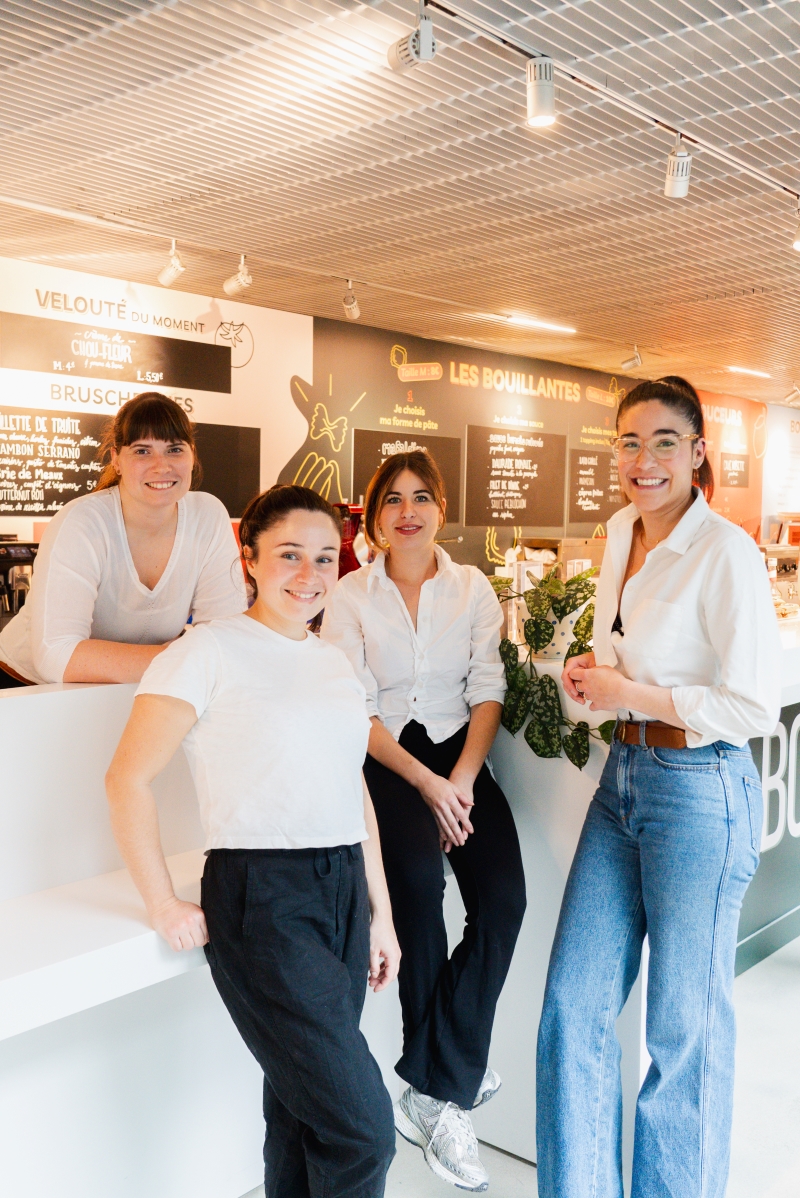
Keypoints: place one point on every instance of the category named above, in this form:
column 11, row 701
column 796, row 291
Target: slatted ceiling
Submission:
column 277, row 129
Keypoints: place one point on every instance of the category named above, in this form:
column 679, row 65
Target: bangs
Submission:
column 156, row 418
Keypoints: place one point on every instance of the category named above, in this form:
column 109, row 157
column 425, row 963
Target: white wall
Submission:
column 781, row 464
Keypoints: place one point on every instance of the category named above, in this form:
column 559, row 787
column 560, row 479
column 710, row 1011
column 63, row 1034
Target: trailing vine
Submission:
column 534, row 695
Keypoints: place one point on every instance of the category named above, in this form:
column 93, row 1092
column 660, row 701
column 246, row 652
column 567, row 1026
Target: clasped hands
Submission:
column 602, row 687
column 450, row 800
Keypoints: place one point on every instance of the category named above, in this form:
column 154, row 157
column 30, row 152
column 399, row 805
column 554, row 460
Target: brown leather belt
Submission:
column 657, row 735
column 7, row 670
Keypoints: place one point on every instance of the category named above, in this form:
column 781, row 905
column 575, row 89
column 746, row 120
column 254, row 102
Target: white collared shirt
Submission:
column 432, row 674
column 697, row 618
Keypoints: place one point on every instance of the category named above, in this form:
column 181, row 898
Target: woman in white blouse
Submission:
column 120, row 571
column 687, row 653
column 423, row 635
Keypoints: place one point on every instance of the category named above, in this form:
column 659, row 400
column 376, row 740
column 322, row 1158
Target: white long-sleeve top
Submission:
column 697, row 618
column 433, row 673
column 85, row 584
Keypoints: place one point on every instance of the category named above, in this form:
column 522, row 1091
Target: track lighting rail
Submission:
column 504, row 38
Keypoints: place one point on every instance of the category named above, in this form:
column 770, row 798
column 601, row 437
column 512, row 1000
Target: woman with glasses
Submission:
column 686, row 651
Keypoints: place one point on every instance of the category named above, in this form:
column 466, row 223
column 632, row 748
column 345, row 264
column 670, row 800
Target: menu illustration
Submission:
column 594, row 490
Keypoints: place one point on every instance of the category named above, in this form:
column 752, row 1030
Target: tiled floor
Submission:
column 765, row 1160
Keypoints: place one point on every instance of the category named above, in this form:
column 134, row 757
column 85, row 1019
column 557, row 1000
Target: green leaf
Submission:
column 517, row 679
column 584, row 625
column 576, row 649
column 574, row 598
column 543, row 739
column 509, row 654
column 577, row 578
column 499, row 584
column 538, row 602
column 606, row 730
column 555, row 587
column 576, row 745
column 538, row 634
column 515, row 709
column 546, row 703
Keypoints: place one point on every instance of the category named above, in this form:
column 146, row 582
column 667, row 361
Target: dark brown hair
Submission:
column 274, row 505
column 150, row 415
column 419, row 462
column 676, row 393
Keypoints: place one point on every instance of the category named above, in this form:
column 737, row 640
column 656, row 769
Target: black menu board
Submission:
column 515, row 477
column 86, row 351
column 734, row 469
column 594, row 491
column 49, row 458
column 46, row 459
column 370, row 449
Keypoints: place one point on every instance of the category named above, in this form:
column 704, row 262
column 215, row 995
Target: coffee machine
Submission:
column 16, row 568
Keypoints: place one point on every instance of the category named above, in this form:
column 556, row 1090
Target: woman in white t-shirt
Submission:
column 120, row 571
column 275, row 727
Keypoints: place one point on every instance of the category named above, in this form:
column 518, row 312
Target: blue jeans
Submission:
column 668, row 849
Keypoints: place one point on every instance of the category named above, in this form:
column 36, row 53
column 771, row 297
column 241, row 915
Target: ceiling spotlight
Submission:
column 541, row 89
column 679, row 170
column 796, row 242
column 416, row 47
column 632, row 363
column 528, row 322
column 793, row 398
column 240, row 281
column 758, row 374
column 350, row 303
column 173, row 270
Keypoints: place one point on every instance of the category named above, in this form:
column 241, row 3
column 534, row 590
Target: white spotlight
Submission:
column 796, row 242
column 541, row 89
column 632, row 363
column 416, row 47
column 240, row 281
column 679, row 170
column 793, row 398
column 173, row 270
column 350, row 303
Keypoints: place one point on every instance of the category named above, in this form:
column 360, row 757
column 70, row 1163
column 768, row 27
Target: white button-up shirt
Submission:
column 433, row 673
column 697, row 618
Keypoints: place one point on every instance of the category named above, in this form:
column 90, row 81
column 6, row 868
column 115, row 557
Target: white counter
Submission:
column 117, row 1054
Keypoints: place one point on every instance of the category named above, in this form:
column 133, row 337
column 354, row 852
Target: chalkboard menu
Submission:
column 594, row 490
column 49, row 458
column 370, row 449
column 515, row 477
column 86, row 351
column 46, row 459
column 734, row 469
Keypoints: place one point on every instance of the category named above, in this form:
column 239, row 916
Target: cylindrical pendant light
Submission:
column 540, row 85
column 679, row 170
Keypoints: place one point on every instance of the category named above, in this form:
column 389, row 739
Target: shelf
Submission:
column 73, row 947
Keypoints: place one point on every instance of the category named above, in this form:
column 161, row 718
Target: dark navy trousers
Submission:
column 289, row 954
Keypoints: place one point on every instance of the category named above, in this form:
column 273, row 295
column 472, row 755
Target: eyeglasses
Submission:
column 662, row 448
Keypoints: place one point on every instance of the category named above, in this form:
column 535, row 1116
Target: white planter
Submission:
column 563, row 636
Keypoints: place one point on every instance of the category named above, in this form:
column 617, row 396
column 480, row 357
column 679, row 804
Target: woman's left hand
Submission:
column 602, row 687
column 462, row 784
column 384, row 952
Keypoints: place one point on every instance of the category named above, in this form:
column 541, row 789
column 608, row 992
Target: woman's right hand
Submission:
column 584, row 662
column 450, row 810
column 182, row 925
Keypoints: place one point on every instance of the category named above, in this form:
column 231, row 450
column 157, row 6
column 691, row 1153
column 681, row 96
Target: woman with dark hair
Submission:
column 275, row 729
column 423, row 635
column 687, row 652
column 121, row 570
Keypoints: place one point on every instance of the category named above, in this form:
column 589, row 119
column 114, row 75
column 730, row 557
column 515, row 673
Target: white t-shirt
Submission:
column 85, row 584
column 280, row 738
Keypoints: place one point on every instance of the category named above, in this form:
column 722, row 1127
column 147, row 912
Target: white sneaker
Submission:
column 444, row 1133
column 489, row 1086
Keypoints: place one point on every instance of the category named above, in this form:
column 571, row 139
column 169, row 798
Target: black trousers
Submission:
column 289, row 954
column 448, row 1005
